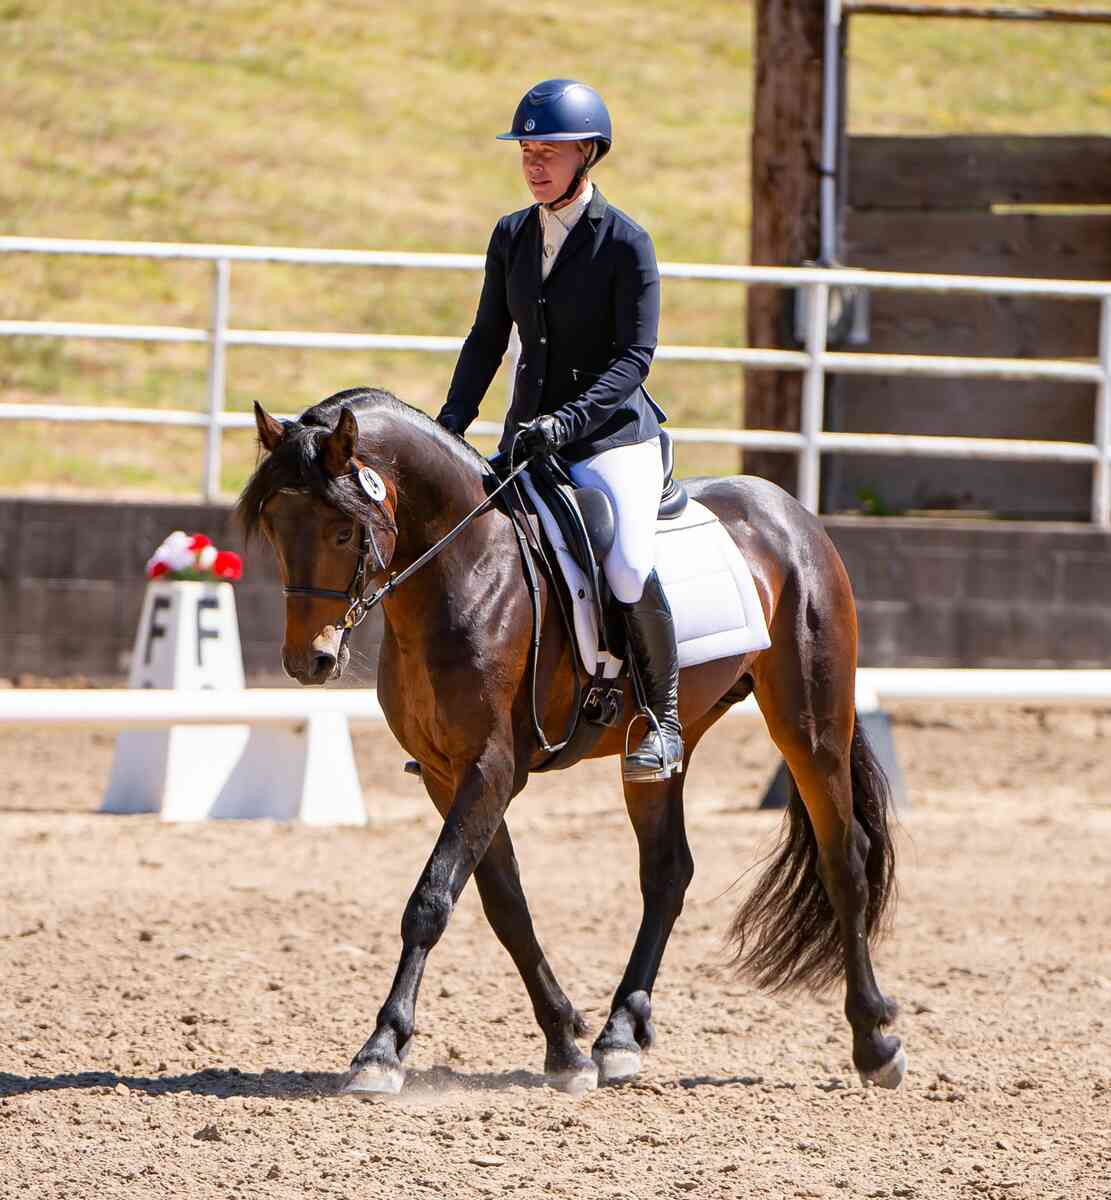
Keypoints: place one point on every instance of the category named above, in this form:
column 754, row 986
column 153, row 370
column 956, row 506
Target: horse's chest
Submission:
column 402, row 693
column 411, row 698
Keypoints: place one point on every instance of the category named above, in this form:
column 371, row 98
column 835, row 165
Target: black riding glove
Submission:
column 451, row 423
column 545, row 435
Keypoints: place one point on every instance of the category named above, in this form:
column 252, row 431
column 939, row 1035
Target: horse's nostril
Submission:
column 323, row 664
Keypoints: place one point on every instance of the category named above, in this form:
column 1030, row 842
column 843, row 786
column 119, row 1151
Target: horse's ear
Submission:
column 338, row 448
column 270, row 429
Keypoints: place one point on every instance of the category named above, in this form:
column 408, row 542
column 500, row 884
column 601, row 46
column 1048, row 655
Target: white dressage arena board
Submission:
column 188, row 640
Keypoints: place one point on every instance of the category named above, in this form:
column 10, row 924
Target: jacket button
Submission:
column 540, row 381
column 543, row 341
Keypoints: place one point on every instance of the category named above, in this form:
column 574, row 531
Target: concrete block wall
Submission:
column 939, row 593
column 929, row 592
column 71, row 586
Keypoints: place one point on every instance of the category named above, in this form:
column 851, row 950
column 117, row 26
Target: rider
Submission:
column 580, row 280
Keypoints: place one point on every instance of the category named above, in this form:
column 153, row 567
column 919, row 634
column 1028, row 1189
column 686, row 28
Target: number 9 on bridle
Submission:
column 354, row 497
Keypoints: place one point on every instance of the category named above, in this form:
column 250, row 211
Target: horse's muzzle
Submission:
column 324, row 660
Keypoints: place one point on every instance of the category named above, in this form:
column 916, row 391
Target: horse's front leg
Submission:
column 475, row 814
column 503, row 901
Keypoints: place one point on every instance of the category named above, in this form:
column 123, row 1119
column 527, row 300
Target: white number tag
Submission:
column 371, row 483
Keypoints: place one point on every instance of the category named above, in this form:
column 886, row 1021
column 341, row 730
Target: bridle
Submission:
column 360, row 599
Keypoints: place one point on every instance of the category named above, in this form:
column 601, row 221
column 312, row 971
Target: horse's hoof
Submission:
column 616, row 1064
column 374, row 1079
column 575, row 1080
column 890, row 1075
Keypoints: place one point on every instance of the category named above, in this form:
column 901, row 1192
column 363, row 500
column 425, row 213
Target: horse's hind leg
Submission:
column 843, row 849
column 666, row 869
column 503, row 901
column 825, row 892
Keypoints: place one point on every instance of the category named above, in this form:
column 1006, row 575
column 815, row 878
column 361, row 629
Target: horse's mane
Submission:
column 295, row 462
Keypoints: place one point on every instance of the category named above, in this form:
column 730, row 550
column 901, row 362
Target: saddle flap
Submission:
column 577, row 531
column 667, row 454
column 562, row 498
column 597, row 514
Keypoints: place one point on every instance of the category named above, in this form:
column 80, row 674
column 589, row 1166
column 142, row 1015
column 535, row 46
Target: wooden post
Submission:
column 786, row 152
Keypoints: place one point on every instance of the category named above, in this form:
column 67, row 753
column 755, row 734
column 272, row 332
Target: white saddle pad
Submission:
column 707, row 581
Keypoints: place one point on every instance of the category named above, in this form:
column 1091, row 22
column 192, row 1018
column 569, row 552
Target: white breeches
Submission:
column 632, row 477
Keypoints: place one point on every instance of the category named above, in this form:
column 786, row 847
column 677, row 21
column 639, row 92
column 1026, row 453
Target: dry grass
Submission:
column 369, row 125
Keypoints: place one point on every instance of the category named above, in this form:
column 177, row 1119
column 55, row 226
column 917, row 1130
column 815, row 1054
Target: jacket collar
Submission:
column 580, row 235
column 596, row 210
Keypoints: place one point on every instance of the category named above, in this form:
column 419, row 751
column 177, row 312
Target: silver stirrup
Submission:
column 649, row 775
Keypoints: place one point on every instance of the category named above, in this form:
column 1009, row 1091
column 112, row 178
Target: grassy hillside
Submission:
column 371, row 125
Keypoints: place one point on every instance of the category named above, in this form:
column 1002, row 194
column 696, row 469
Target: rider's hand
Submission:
column 545, row 435
column 451, row 423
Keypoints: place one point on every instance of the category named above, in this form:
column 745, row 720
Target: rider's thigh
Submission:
column 632, row 478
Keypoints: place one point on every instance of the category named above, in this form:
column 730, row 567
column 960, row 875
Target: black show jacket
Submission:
column 588, row 332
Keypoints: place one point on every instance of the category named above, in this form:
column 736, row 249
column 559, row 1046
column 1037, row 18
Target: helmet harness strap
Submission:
column 577, row 178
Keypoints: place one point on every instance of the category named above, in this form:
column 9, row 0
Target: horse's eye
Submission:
column 344, row 536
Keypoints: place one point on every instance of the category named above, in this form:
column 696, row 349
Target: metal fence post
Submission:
column 813, row 394
column 1101, row 474
column 217, row 349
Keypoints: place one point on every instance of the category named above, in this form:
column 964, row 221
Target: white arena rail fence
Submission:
column 139, row 708
column 815, row 361
column 308, row 789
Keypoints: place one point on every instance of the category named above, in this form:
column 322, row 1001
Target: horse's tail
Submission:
column 786, row 934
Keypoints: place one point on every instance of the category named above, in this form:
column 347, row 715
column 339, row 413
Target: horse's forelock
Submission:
column 295, row 465
column 289, row 466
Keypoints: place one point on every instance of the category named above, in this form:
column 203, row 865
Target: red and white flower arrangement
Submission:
column 193, row 556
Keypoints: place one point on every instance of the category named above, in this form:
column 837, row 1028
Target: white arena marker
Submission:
column 188, row 642
column 304, row 772
column 188, row 638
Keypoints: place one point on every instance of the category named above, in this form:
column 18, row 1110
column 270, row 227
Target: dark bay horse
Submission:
column 454, row 684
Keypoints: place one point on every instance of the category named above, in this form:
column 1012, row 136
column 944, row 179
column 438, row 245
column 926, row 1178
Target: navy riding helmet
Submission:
column 562, row 110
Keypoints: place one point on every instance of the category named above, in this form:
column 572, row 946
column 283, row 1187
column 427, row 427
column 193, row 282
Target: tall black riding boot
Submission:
column 652, row 647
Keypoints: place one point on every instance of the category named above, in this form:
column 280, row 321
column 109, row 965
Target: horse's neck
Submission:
column 436, row 488
column 435, row 495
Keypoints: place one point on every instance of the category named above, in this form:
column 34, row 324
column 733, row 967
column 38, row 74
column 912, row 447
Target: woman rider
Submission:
column 579, row 279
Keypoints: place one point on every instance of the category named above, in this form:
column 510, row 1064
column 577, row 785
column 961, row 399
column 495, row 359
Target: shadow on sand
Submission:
column 224, row 1083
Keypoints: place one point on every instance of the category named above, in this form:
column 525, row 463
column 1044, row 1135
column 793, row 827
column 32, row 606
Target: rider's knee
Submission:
column 627, row 574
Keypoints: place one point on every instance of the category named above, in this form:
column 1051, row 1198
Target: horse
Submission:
column 456, row 681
